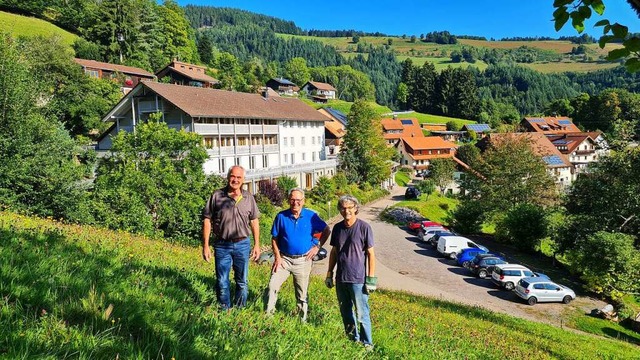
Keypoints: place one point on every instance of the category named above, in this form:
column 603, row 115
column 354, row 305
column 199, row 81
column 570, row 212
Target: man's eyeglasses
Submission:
column 296, row 200
column 348, row 208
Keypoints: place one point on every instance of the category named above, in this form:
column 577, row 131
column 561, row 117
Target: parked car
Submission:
column 466, row 255
column 433, row 241
column 482, row 266
column 411, row 193
column 427, row 233
column 451, row 245
column 538, row 289
column 507, row 275
column 416, row 225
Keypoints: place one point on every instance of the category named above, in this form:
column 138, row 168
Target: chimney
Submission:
column 395, row 116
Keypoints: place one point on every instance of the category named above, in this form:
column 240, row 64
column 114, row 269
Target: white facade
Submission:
column 266, row 148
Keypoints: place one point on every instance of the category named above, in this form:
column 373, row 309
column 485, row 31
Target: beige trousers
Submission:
column 300, row 268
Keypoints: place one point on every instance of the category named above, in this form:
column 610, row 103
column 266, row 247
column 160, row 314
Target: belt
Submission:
column 294, row 256
column 232, row 240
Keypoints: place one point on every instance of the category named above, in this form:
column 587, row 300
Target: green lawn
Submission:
column 18, row 25
column 435, row 119
column 84, row 292
column 434, row 207
column 402, row 178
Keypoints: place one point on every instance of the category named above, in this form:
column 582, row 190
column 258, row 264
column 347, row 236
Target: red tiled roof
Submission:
column 191, row 71
column 413, row 130
column 540, row 144
column 551, row 125
column 207, row 102
column 572, row 141
column 113, row 67
column 428, row 143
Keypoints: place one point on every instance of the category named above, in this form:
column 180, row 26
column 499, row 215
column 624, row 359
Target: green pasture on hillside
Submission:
column 18, row 25
column 84, row 292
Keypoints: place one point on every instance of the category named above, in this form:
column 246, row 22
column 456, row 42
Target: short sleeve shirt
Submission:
column 295, row 236
column 230, row 219
column 352, row 244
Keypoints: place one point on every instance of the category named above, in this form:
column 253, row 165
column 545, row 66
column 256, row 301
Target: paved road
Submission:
column 404, row 263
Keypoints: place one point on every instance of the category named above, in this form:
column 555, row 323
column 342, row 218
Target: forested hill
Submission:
column 207, row 16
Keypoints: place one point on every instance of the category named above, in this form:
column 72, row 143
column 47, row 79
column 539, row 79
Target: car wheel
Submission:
column 453, row 256
column 508, row 286
column 532, row 300
column 465, row 264
column 567, row 299
column 482, row 274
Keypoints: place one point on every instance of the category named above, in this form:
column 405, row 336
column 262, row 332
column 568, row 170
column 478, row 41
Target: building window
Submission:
column 92, row 73
column 242, row 141
column 313, row 156
column 265, row 161
column 304, row 157
column 285, row 141
column 208, row 142
column 286, row 158
column 292, row 142
column 252, row 162
column 313, row 140
column 236, row 161
column 293, row 158
column 319, row 140
column 302, row 141
column 223, row 165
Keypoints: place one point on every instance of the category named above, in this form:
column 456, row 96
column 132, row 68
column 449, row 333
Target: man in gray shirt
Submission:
column 231, row 213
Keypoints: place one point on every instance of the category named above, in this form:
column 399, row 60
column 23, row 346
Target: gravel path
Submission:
column 405, row 264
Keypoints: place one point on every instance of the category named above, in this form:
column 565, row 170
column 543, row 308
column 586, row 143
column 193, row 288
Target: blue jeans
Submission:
column 350, row 296
column 232, row 255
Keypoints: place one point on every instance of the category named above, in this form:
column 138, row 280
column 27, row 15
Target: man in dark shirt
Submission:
column 352, row 251
column 294, row 248
column 231, row 213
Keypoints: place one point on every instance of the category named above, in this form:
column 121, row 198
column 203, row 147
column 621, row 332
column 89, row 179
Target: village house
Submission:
column 417, row 152
column 334, row 131
column 558, row 165
column 182, row 73
column 283, row 86
column 127, row 76
column 319, row 91
column 269, row 137
column 580, row 148
column 393, row 129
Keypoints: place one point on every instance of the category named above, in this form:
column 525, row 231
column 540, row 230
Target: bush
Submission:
column 426, row 186
column 287, row 183
column 524, row 226
column 272, row 192
column 468, row 217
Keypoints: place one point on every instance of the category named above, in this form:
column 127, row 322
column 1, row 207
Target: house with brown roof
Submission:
column 334, row 131
column 393, row 129
column 580, row 148
column 182, row 73
column 127, row 76
column 558, row 164
column 319, row 91
column 549, row 125
column 270, row 137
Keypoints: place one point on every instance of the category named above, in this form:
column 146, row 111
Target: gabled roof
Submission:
column 409, row 128
column 479, row 128
column 550, row 125
column 191, row 71
column 567, row 143
column 541, row 146
column 321, row 86
column 113, row 67
column 213, row 103
column 427, row 143
column 283, row 81
column 335, row 128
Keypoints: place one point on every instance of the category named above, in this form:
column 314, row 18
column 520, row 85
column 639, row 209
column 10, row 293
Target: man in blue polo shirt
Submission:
column 294, row 248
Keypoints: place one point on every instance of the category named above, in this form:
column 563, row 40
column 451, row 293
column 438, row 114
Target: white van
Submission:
column 450, row 246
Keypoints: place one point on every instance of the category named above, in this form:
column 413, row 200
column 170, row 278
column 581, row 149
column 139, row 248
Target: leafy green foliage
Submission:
column 467, row 217
column 38, row 172
column 364, row 155
column 441, row 172
column 297, row 71
column 287, row 183
column 351, row 84
column 524, row 226
column 153, row 183
column 579, row 11
column 426, row 187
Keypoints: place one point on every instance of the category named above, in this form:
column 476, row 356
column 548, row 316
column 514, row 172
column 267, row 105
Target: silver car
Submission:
column 538, row 289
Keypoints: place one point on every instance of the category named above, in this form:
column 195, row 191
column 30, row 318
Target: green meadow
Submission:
column 18, row 25
column 71, row 291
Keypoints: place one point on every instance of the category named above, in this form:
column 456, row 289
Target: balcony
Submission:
column 257, row 174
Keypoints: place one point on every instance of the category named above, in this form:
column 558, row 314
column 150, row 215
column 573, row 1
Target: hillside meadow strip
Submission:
column 70, row 291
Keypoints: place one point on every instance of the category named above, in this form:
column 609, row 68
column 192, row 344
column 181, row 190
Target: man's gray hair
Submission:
column 295, row 189
column 244, row 172
column 348, row 198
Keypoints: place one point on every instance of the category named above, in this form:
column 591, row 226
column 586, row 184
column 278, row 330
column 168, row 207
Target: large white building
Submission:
column 268, row 136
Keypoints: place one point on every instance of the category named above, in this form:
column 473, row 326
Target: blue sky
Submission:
column 488, row 18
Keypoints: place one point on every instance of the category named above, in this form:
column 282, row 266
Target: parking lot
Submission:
column 407, row 264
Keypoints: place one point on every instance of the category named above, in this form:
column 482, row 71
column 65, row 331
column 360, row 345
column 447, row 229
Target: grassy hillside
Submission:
column 18, row 25
column 82, row 292
column 438, row 54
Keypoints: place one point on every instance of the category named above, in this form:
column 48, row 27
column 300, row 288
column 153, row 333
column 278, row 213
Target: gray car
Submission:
column 538, row 289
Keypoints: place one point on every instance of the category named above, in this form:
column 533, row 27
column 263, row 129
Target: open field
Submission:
column 421, row 52
column 18, row 25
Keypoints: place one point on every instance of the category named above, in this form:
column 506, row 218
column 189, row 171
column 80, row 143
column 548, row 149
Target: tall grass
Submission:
column 19, row 25
column 81, row 292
